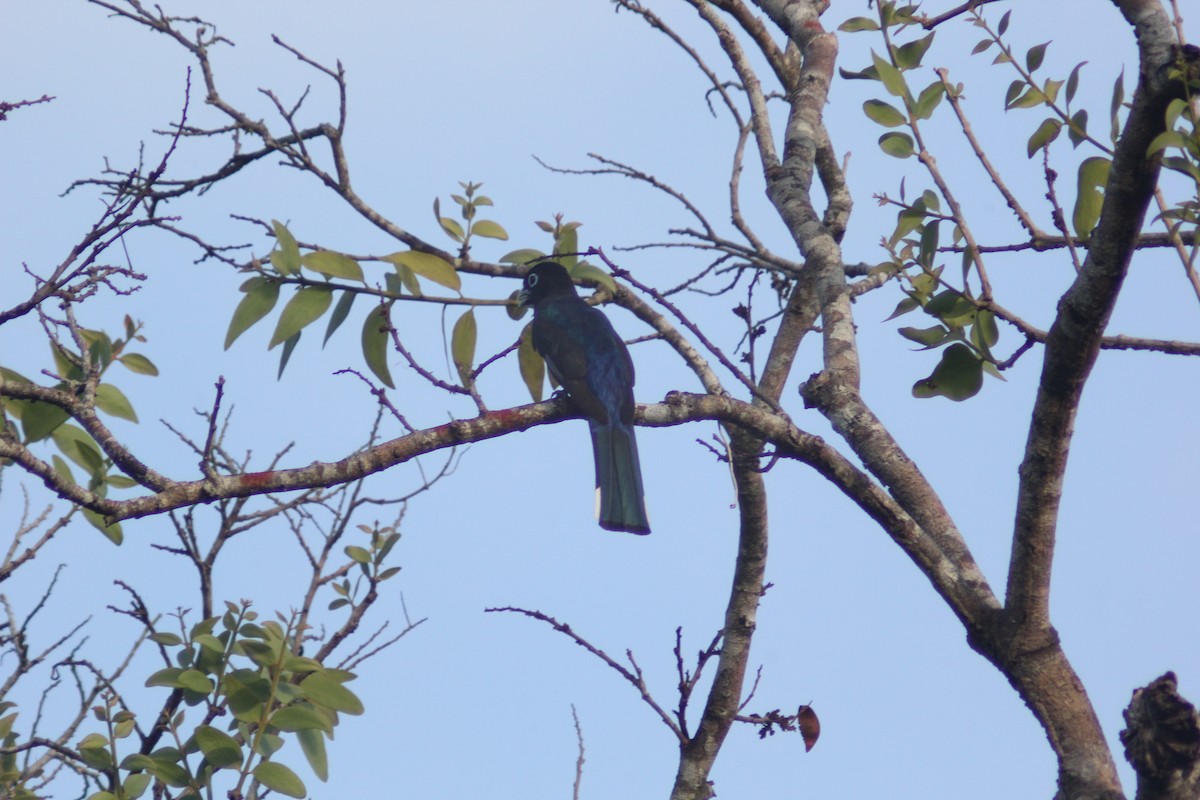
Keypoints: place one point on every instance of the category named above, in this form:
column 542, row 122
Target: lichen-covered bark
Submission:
column 1162, row 741
column 697, row 756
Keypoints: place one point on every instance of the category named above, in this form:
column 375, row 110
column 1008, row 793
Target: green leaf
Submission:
column 452, row 228
column 124, row 727
column 246, row 692
column 332, row 264
column 929, row 99
column 908, row 220
column 195, row 681
column 285, row 355
column 62, row 468
column 286, row 258
column 81, row 448
column 1175, row 109
column 909, row 55
column 375, row 345
column 1184, row 167
column 985, row 333
column 39, row 420
column 6, row 725
column 928, row 337
column 166, row 639
column 209, row 642
column 169, row 773
column 203, row 626
column 120, row 482
column 856, row 24
column 1164, row 140
column 523, row 256
column 112, row 400
column 93, row 741
column 903, row 307
column 1046, row 133
column 135, row 761
column 313, row 745
column 583, row 271
column 408, row 280
column 897, row 144
column 1077, row 131
column 258, row 652
column 301, row 717
column 462, row 344
column 958, row 376
column 428, row 265
column 221, row 749
column 113, row 532
column 883, row 113
column 323, row 690
column 394, row 283
column 302, row 664
column 1118, row 97
column 891, row 78
column 1093, row 176
column 269, row 744
column 359, row 554
column 868, row 74
column 949, row 305
column 1035, row 56
column 1050, row 90
column 136, row 362
column 929, row 243
column 12, row 376
column 305, row 307
column 93, row 748
column 567, row 242
column 65, row 363
column 99, row 346
column 1033, row 97
column 388, row 543
column 981, row 46
column 168, row 677
column 279, row 778
column 340, row 312
column 1073, row 81
column 488, row 228
column 531, row 365
column 261, row 296
column 513, row 310
column 1014, row 89
column 134, row 786
column 1003, row 23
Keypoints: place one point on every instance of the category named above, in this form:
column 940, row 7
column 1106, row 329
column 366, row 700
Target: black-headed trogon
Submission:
column 588, row 359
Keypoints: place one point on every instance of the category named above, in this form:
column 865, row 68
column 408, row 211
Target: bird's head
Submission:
column 545, row 279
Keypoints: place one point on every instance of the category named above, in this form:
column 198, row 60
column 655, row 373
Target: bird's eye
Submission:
column 531, row 280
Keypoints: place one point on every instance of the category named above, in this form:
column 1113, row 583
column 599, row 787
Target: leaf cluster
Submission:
column 238, row 668
column 77, row 368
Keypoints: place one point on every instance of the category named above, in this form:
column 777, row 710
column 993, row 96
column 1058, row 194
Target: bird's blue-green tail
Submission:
column 620, row 505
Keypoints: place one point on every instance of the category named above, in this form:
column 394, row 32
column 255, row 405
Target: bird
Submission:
column 590, row 361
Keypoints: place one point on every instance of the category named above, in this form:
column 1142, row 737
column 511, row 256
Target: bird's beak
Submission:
column 523, row 298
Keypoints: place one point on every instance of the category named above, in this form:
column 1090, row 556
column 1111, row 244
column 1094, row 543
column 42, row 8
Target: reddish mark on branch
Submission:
column 257, row 479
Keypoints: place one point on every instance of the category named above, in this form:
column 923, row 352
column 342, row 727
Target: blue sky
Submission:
column 477, row 704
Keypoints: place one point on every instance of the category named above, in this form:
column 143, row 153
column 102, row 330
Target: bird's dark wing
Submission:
column 560, row 336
